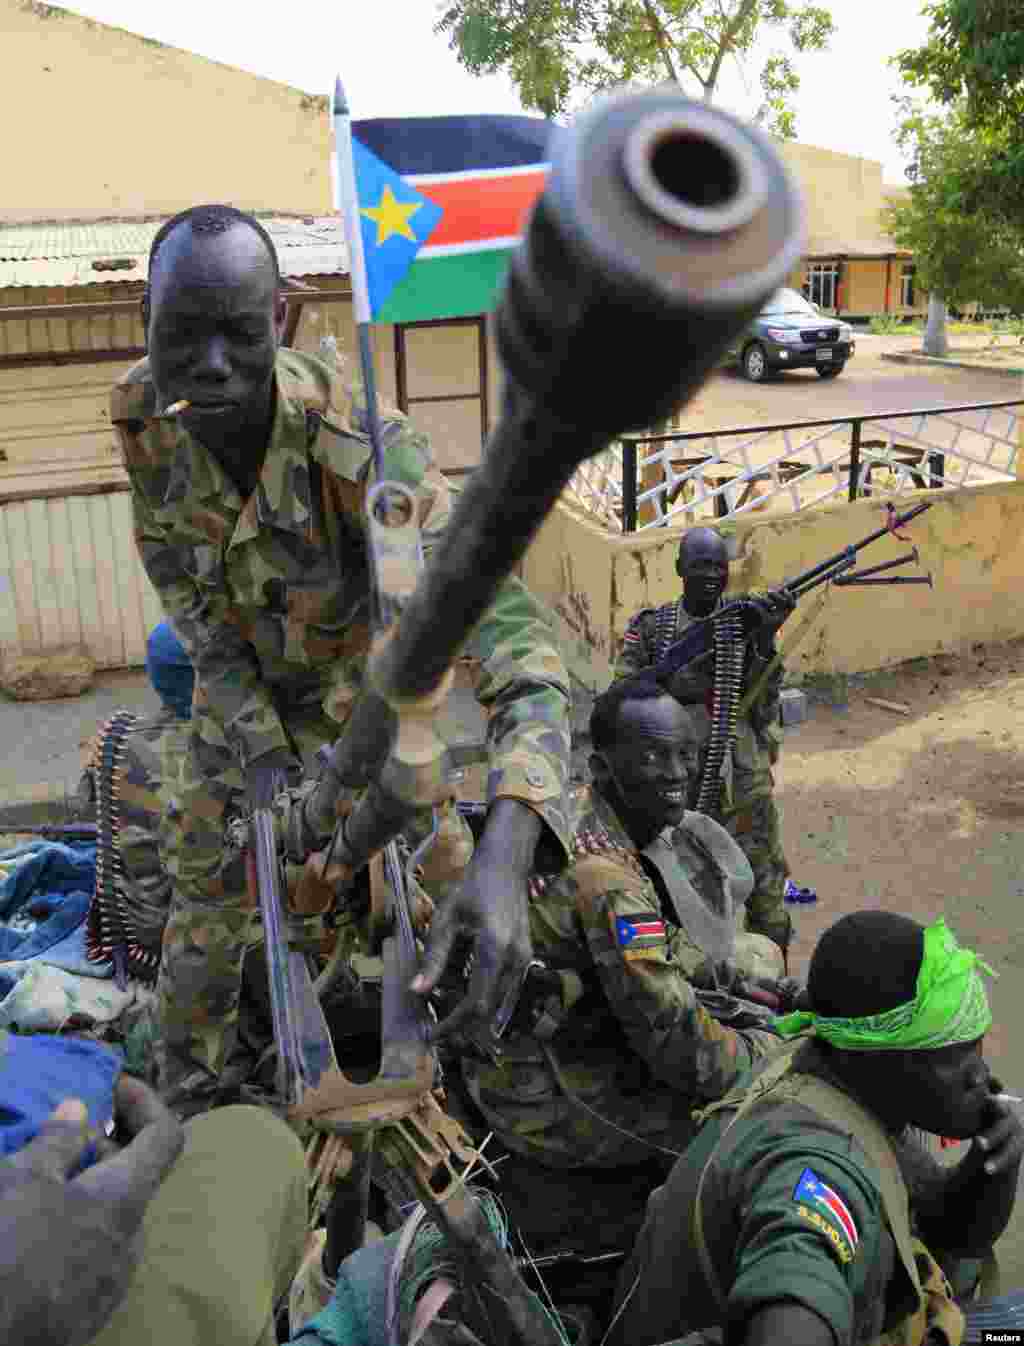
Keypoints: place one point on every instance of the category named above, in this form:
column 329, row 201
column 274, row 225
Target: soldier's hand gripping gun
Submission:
column 663, row 226
column 837, row 569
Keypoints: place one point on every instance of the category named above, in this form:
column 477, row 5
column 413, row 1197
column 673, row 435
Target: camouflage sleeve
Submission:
column 637, row 649
column 523, row 690
column 228, row 674
column 648, row 991
column 522, row 685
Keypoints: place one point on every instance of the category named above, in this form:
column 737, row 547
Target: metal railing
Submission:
column 730, row 472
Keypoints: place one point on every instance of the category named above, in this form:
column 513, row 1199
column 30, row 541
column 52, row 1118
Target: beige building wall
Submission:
column 117, row 124
column 843, row 192
column 972, row 542
column 440, row 361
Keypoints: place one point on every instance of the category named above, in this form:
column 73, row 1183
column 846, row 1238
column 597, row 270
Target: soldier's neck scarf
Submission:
column 950, row 1006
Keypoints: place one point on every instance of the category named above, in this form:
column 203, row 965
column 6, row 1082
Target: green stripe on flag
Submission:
column 447, row 287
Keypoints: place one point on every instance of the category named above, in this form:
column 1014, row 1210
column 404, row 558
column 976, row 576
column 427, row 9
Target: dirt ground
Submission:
column 922, row 813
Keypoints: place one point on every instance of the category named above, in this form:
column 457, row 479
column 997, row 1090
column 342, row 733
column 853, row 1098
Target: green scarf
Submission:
column 950, row 1006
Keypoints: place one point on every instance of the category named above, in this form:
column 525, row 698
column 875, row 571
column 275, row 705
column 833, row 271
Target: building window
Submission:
column 907, row 296
column 822, row 283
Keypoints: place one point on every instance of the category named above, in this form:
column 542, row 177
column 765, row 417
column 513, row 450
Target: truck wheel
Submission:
column 830, row 371
column 755, row 363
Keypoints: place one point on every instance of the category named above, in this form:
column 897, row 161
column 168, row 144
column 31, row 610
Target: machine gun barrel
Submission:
column 663, row 226
column 843, row 560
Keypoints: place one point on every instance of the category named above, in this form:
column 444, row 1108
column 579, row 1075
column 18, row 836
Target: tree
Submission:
column 963, row 255
column 973, row 59
column 557, row 50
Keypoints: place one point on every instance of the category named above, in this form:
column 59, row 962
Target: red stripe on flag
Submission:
column 839, row 1210
column 478, row 209
column 648, row 927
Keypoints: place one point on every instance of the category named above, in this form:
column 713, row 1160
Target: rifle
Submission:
column 837, row 569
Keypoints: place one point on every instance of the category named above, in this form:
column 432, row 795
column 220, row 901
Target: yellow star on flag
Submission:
column 392, row 216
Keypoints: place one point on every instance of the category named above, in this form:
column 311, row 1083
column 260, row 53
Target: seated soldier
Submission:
column 603, row 1065
column 787, row 1220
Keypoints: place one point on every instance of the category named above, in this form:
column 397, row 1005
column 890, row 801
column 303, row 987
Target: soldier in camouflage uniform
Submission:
column 752, row 815
column 248, row 519
column 605, row 1069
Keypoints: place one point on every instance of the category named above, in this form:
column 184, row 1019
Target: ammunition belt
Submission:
column 112, row 932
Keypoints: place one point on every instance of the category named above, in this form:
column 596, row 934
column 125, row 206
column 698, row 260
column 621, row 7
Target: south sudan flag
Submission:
column 452, row 195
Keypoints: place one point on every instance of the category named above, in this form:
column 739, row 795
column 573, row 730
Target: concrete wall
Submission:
column 101, row 122
column 972, row 541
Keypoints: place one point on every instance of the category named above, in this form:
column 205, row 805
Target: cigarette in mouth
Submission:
column 1008, row 1098
column 176, row 408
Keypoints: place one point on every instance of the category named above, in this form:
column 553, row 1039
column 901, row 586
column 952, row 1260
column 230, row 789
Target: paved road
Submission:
column 867, row 384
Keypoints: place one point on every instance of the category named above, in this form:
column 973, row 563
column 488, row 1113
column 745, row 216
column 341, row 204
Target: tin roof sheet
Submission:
column 102, row 252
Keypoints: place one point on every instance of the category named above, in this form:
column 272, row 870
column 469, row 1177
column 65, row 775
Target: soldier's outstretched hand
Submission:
column 490, row 909
column 68, row 1247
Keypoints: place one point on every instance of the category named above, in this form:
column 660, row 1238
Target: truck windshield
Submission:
column 788, row 301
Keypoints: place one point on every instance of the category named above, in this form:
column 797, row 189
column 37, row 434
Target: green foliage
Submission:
column 974, row 59
column 558, row 52
column 886, row 324
column 964, row 251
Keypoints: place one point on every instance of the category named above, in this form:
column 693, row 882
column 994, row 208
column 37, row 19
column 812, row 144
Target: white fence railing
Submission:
column 654, row 481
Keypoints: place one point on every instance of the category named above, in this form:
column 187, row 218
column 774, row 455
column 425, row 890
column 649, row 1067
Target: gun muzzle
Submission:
column 663, row 226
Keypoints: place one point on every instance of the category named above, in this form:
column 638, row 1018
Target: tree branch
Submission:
column 725, row 45
column 661, row 39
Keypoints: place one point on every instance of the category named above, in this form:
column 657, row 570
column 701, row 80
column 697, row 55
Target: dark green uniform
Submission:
column 792, row 1209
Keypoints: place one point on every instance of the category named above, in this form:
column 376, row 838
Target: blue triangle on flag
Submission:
column 396, row 221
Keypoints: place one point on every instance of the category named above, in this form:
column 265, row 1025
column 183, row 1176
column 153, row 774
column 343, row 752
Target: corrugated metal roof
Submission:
column 68, row 254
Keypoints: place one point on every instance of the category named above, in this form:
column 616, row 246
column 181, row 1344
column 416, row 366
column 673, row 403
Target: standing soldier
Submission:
column 249, row 465
column 751, row 815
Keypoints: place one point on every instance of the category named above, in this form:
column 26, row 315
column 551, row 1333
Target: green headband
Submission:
column 950, row 1006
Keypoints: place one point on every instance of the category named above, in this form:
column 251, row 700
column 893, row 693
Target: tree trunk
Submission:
column 935, row 340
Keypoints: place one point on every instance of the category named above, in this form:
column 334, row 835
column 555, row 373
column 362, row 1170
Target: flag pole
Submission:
column 347, row 202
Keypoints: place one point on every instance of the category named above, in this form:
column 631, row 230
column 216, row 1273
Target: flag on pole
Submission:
column 442, row 203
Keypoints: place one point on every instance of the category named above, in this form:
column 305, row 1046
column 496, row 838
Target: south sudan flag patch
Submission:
column 640, row 936
column 823, row 1207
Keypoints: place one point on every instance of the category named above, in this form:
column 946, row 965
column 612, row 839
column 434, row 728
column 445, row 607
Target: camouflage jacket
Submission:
column 270, row 595
column 633, row 1045
column 694, row 684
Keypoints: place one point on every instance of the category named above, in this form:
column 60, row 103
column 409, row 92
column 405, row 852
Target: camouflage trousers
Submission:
column 211, row 914
column 753, row 820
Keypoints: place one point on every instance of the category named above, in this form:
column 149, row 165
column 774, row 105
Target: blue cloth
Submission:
column 357, row 1313
column 170, row 670
column 38, row 1073
column 44, row 903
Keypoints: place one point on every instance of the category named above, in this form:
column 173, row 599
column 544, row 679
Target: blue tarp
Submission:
column 44, row 903
column 38, row 1073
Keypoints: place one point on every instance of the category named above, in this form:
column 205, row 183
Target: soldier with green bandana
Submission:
column 804, row 1211
column 248, row 518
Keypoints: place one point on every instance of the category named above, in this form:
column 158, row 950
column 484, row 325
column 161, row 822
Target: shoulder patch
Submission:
column 822, row 1207
column 639, row 935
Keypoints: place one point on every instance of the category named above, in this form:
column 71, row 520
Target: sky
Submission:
column 394, row 64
